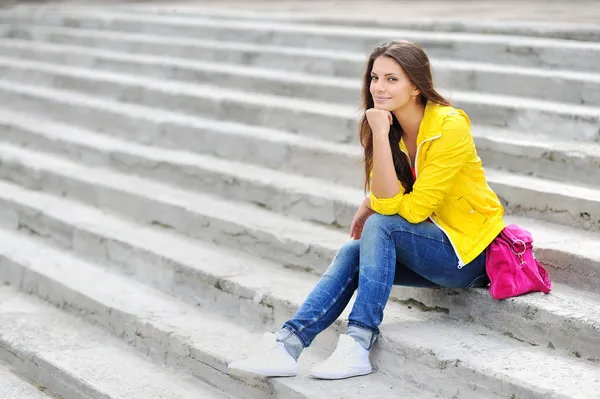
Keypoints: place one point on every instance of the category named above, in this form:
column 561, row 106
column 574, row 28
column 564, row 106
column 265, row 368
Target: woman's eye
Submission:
column 392, row 79
column 373, row 77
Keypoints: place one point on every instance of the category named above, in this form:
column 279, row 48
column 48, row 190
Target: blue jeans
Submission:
column 391, row 251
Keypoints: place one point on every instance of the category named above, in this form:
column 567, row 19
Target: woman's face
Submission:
column 390, row 87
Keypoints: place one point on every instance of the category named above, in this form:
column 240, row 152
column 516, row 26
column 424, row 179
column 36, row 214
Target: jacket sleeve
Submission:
column 446, row 157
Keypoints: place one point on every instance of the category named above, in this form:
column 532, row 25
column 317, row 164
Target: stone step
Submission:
column 13, row 386
column 277, row 149
column 242, row 286
column 297, row 245
column 407, row 332
column 496, row 49
column 538, row 155
column 65, row 355
column 428, row 343
column 334, row 122
column 547, row 315
column 558, row 30
column 572, row 253
column 564, row 86
column 534, row 154
column 305, row 198
column 291, row 59
column 182, row 336
column 290, row 194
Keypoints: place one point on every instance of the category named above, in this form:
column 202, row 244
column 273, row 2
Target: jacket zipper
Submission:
column 461, row 264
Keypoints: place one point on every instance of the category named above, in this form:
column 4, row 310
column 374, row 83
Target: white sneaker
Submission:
column 350, row 359
column 273, row 360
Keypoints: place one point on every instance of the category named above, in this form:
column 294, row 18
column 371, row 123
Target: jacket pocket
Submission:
column 461, row 217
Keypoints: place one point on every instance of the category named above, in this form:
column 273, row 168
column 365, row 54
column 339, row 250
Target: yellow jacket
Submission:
column 451, row 189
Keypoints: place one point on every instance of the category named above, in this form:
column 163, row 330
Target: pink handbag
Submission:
column 512, row 267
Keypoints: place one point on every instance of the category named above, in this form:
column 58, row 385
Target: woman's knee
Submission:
column 378, row 223
column 346, row 259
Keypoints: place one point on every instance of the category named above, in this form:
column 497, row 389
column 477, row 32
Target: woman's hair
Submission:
column 415, row 64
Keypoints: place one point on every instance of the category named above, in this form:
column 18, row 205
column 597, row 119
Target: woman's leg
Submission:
column 325, row 302
column 422, row 249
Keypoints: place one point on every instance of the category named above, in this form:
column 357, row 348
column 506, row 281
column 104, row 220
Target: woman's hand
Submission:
column 361, row 216
column 379, row 121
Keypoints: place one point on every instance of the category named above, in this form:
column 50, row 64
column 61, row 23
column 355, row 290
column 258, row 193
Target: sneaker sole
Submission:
column 358, row 374
column 251, row 374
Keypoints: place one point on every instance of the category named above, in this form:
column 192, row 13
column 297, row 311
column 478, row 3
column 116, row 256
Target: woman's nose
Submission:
column 379, row 86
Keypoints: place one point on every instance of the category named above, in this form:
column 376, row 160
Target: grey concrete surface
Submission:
column 242, row 286
column 513, row 50
column 98, row 119
column 409, row 15
column 62, row 177
column 12, row 386
column 330, row 121
column 87, row 287
column 76, row 360
column 170, row 332
column 499, row 148
column 560, row 86
column 551, row 12
column 522, row 195
column 308, row 199
column 552, row 246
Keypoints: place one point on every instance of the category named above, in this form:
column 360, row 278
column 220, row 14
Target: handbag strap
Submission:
column 519, row 251
column 509, row 235
column 540, row 284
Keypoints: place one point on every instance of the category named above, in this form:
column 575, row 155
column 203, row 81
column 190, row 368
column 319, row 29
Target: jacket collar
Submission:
column 430, row 128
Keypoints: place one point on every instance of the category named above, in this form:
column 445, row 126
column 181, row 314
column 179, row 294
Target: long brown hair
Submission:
column 414, row 62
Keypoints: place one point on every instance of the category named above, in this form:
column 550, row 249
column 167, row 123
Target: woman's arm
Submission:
column 362, row 214
column 446, row 157
column 385, row 182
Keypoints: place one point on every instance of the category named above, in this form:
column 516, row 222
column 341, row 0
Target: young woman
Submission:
column 427, row 221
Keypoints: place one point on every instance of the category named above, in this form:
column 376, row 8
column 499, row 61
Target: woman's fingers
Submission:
column 356, row 230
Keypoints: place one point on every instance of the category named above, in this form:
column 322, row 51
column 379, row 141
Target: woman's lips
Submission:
column 382, row 98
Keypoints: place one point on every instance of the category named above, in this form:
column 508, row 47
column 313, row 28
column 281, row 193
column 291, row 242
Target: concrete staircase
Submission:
column 172, row 186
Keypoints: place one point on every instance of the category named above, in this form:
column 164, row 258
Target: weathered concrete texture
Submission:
column 499, row 148
column 336, row 122
column 138, row 141
column 165, row 330
column 302, row 197
column 331, row 122
column 318, row 119
column 539, row 155
column 569, row 87
column 575, row 30
column 75, row 360
column 151, row 202
column 522, row 51
column 536, row 17
column 307, row 60
column 306, row 198
column 13, row 386
column 87, row 232
column 109, row 301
